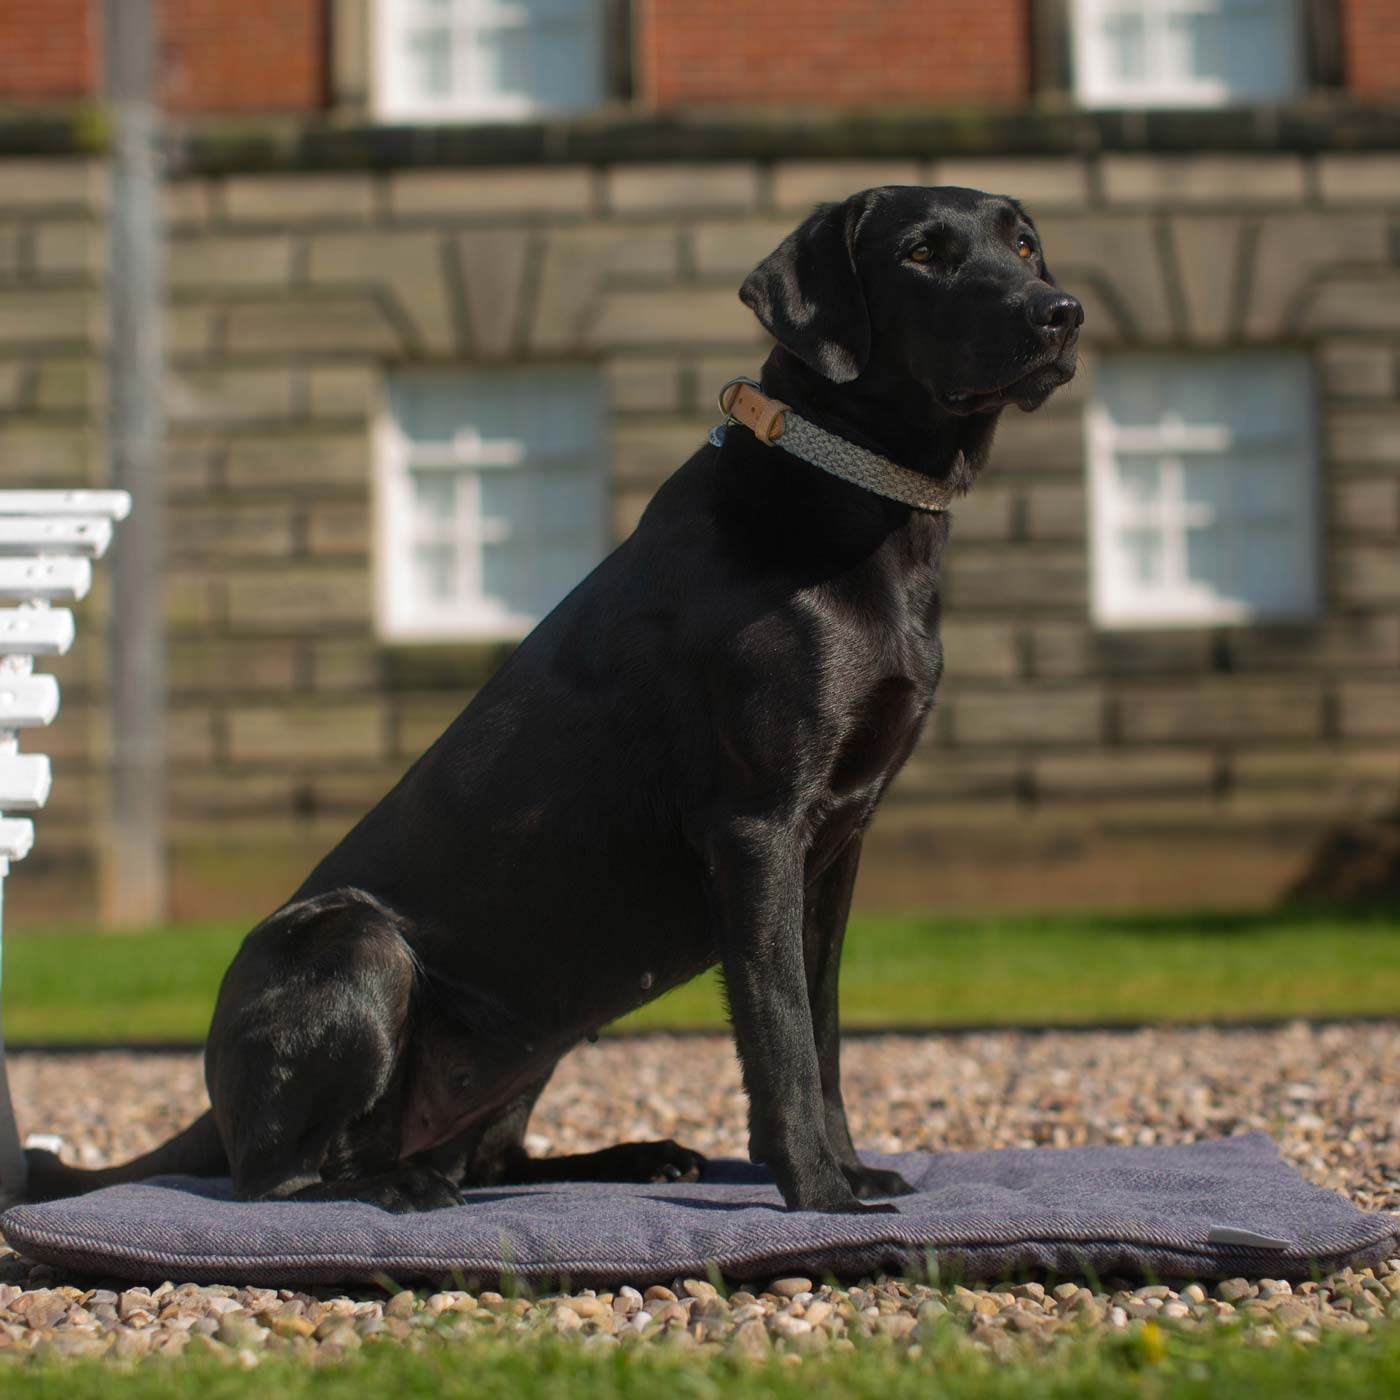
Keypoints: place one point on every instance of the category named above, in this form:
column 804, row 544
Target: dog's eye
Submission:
column 923, row 253
column 1024, row 246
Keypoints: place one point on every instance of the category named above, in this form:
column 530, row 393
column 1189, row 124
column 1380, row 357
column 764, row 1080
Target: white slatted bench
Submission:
column 47, row 542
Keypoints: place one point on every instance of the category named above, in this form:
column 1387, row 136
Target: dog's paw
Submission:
column 869, row 1183
column 659, row 1161
column 414, row 1190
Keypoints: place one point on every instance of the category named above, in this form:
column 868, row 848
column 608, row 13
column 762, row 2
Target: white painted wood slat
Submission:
column 111, row 505
column 27, row 701
column 54, row 580
column 35, row 631
column 16, row 838
column 28, row 535
column 25, row 780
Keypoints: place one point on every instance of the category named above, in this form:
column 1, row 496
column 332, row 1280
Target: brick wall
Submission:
column 48, row 50
column 216, row 55
column 1371, row 30
column 728, row 51
column 1063, row 764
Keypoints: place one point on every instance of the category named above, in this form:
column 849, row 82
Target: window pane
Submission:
column 1211, row 485
column 504, row 576
column 430, row 60
column 504, row 500
column 434, row 498
column 437, row 571
column 1208, row 560
column 565, row 501
column 1141, row 480
column 1142, row 554
column 1126, row 40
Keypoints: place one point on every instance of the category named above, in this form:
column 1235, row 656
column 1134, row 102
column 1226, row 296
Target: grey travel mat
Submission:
column 1205, row 1210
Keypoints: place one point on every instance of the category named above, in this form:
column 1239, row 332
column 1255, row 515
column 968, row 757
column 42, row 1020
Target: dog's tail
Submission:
column 197, row 1151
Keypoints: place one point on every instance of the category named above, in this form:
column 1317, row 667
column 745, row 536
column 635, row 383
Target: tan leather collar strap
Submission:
column 774, row 424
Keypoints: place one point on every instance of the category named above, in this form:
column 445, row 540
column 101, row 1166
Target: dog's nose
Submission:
column 1056, row 313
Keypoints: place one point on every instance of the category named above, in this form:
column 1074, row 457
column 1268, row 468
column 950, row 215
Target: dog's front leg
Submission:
column 755, row 881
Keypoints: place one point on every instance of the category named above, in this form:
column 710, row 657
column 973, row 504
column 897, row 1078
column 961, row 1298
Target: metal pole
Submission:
column 134, row 882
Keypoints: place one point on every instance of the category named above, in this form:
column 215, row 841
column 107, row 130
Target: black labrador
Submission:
column 674, row 769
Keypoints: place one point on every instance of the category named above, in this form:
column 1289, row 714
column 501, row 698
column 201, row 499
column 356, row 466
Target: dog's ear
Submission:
column 808, row 294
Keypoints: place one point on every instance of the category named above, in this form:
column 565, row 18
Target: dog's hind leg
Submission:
column 306, row 1058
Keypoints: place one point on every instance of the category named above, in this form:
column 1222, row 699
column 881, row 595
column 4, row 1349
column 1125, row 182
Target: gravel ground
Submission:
column 1328, row 1094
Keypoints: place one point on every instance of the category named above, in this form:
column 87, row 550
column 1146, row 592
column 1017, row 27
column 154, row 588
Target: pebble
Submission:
column 975, row 1091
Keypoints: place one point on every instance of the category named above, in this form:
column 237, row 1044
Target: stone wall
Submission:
column 1064, row 765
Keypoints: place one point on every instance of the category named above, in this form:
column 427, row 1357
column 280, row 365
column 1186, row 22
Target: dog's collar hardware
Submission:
column 774, row 424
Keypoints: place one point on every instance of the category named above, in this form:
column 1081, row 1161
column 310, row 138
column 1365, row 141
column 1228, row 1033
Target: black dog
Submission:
column 674, row 769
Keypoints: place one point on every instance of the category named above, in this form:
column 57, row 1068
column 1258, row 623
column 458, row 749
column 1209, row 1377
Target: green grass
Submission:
column 898, row 970
column 1143, row 1364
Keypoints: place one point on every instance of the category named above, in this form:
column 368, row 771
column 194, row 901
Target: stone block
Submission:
column 681, row 188
column 1366, row 505
column 299, row 460
column 193, row 599
column 1044, row 716
column 1354, row 369
column 327, row 324
column 987, row 513
column 48, row 455
column 1065, row 649
column 798, row 185
column 1359, row 178
column 299, row 198
column 1117, row 254
column 56, row 317
column 407, row 267
column 1056, row 512
column 1291, row 251
column 198, row 794
column 220, row 261
column 1051, row 440
column 72, row 248
column 1348, row 303
column 343, row 391
column 979, row 650
column 734, row 247
column 188, row 734
column 1364, row 435
column 291, row 600
column 187, row 204
column 682, row 317
column 353, row 792
column 420, row 719
column 579, row 267
column 223, row 665
column 1364, row 572
column 68, row 386
column 492, row 265
column 33, row 184
column 1039, row 183
column 1338, row 642
column 1207, row 252
column 1369, row 709
column 232, row 530
column 483, row 194
column 650, row 450
column 955, row 775
column 306, row 732
column 15, row 379
column 229, row 395
column 190, row 327
column 1124, row 772
column 1317, row 765
column 1220, row 709
column 350, row 663
column 1016, row 579
column 1226, row 180
column 338, row 527
column 643, row 384
column 625, row 510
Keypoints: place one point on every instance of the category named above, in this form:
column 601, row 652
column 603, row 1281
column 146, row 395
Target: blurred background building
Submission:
column 450, row 290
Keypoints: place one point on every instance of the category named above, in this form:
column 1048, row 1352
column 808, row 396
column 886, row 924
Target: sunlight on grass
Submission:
column 909, row 970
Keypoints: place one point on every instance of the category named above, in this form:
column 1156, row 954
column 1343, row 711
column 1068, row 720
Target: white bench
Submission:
column 47, row 542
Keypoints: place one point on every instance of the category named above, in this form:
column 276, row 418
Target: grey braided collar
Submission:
column 775, row 424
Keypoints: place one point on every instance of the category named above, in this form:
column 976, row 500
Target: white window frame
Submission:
column 1119, row 601
column 402, row 612
column 1097, row 85
column 398, row 98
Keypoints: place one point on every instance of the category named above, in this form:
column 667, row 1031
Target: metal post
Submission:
column 134, row 886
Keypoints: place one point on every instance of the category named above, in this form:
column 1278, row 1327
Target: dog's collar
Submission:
column 773, row 423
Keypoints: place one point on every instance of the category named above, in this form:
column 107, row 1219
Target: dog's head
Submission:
column 944, row 287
